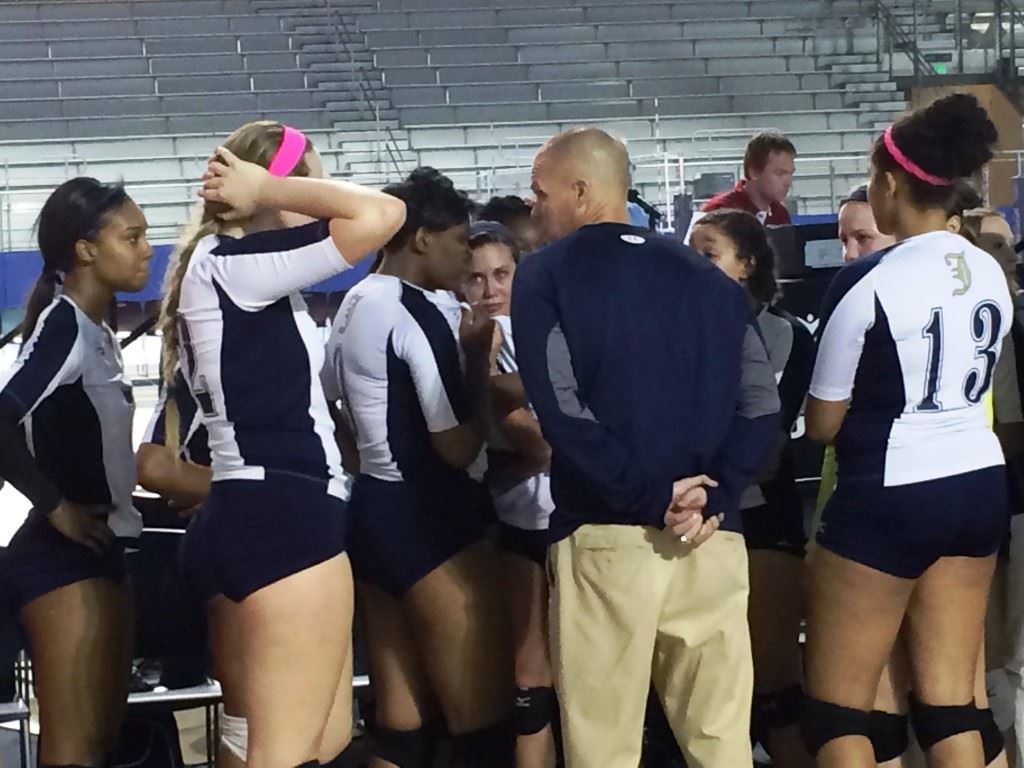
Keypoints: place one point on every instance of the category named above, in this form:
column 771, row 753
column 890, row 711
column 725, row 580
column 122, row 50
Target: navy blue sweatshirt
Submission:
column 644, row 364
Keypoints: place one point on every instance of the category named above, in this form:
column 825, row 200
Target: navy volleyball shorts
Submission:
column 533, row 545
column 40, row 559
column 252, row 533
column 401, row 531
column 902, row 530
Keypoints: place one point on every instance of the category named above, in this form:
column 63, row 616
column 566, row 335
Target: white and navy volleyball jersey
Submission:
column 68, row 391
column 911, row 336
column 193, row 443
column 525, row 504
column 252, row 355
column 396, row 367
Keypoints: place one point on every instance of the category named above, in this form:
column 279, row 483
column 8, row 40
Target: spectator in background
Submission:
column 650, row 453
column 858, row 231
column 515, row 214
column 964, row 199
column 768, row 175
column 1004, row 648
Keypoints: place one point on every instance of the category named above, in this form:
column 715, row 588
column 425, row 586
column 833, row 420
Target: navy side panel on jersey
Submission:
column 266, row 347
column 794, row 366
column 408, row 433
column 252, row 355
column 192, row 439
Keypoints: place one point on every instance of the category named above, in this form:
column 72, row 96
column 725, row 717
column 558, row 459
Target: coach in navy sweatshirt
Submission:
column 653, row 387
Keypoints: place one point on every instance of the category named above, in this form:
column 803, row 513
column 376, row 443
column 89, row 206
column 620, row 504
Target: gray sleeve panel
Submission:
column 759, row 395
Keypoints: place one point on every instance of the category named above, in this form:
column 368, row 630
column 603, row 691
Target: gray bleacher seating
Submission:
column 476, row 84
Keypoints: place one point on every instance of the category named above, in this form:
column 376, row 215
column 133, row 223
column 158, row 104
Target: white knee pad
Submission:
column 234, row 735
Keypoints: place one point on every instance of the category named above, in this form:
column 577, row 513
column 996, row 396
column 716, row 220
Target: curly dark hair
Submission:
column 504, row 210
column 752, row 247
column 952, row 138
column 432, row 202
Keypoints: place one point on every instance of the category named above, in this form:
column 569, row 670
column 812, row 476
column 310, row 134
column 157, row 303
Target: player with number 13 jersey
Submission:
column 910, row 335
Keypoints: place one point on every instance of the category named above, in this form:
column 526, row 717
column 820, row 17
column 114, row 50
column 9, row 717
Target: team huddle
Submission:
column 547, row 450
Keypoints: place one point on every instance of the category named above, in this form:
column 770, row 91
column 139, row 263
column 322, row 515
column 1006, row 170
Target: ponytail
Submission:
column 202, row 226
column 43, row 294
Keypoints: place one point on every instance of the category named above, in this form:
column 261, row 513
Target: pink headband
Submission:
column 293, row 147
column 909, row 165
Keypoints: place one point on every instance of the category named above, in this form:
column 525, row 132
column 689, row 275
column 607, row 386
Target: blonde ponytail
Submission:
column 201, row 226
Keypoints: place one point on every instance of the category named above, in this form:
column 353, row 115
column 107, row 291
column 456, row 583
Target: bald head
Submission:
column 580, row 177
column 592, row 155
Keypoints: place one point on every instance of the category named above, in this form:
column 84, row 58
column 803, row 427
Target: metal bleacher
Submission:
column 143, row 89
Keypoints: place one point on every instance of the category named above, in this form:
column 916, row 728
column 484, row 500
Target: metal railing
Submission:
column 977, row 36
column 361, row 85
column 895, row 38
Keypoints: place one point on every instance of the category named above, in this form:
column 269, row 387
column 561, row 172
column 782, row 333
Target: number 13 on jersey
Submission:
column 985, row 323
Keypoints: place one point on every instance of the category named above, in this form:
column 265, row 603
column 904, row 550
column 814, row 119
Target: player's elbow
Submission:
column 824, row 419
column 458, row 447
column 153, row 467
column 391, row 215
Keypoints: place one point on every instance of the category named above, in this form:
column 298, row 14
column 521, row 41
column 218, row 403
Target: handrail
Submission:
column 338, row 22
column 907, row 40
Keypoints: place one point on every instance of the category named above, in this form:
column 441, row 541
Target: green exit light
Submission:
column 940, row 69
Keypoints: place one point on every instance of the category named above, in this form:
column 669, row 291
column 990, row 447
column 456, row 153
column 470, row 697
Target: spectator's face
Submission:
column 997, row 238
column 489, row 280
column 557, row 199
column 721, row 249
column 527, row 234
column 776, row 178
column 858, row 233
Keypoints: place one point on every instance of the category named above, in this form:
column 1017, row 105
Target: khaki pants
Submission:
column 631, row 605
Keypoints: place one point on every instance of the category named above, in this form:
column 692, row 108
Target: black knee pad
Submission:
column 347, row 759
column 890, row 735
column 778, row 709
column 933, row 723
column 822, row 722
column 406, row 749
column 991, row 736
column 536, row 709
column 309, row 764
column 493, row 747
